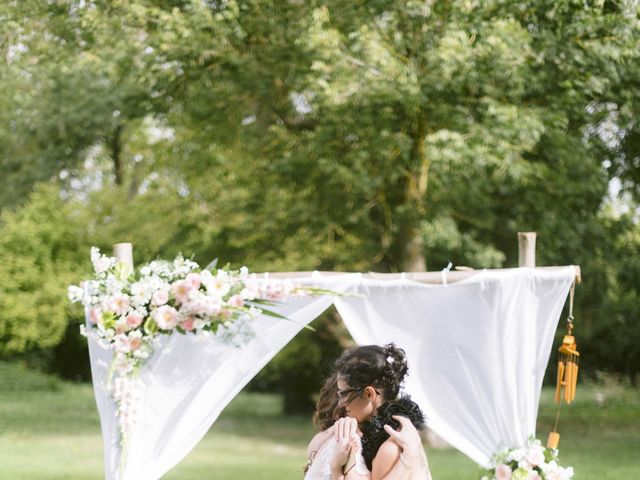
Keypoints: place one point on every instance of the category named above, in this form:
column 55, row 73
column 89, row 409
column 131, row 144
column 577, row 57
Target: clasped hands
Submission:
column 347, row 436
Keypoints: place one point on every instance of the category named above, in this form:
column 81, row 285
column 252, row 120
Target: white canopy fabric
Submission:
column 477, row 352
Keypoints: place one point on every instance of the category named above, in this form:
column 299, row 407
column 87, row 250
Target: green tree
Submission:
column 39, row 257
column 333, row 135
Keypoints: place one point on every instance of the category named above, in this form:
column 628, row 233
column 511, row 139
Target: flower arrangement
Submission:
column 530, row 462
column 128, row 311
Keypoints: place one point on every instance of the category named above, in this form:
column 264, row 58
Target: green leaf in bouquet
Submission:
column 108, row 319
column 122, row 271
column 212, row 265
column 150, row 326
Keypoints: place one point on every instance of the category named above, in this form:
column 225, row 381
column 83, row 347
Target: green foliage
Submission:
column 55, row 433
column 38, row 257
column 342, row 135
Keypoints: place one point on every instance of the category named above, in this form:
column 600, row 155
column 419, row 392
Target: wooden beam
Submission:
column 422, row 277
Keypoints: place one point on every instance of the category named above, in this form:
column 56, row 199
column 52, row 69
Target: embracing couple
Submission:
column 368, row 432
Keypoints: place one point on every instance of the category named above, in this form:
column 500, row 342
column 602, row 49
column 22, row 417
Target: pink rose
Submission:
column 134, row 320
column 503, row 472
column 160, row 297
column 188, row 324
column 533, row 475
column 135, row 343
column 95, row 315
column 535, row 457
column 193, row 280
column 236, row 301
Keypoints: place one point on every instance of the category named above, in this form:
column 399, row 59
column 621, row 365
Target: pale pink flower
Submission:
column 188, row 324
column 159, row 297
column 121, row 325
column 236, row 301
column 134, row 320
column 166, row 317
column 135, row 340
column 193, row 280
column 181, row 290
column 135, row 343
column 95, row 315
column 503, row 472
column 533, row 475
column 121, row 343
column 535, row 457
column 101, row 264
column 120, row 304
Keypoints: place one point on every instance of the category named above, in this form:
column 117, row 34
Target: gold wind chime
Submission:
column 568, row 357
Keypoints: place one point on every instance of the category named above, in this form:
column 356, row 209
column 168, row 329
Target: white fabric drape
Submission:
column 477, row 352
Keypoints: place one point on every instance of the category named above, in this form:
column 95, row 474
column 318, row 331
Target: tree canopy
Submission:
column 384, row 135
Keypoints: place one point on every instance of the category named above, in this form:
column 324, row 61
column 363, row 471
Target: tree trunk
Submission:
column 116, row 150
column 413, row 259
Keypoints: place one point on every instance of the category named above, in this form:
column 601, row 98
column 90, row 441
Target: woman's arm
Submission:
column 399, row 458
column 413, row 456
column 402, row 456
column 386, row 460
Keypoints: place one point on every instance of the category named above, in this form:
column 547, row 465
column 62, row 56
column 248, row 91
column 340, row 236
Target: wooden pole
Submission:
column 124, row 253
column 527, row 249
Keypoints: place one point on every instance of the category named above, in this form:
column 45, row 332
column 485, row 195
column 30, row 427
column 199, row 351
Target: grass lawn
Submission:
column 49, row 430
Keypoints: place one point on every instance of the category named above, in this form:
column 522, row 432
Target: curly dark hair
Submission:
column 381, row 367
column 373, row 432
column 327, row 409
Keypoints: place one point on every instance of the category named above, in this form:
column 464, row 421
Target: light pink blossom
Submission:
column 120, row 304
column 121, row 343
column 181, row 290
column 193, row 280
column 135, row 340
column 134, row 319
column 535, row 457
column 166, row 317
column 159, row 297
column 101, row 264
column 188, row 324
column 95, row 315
column 236, row 301
column 533, row 475
column 503, row 472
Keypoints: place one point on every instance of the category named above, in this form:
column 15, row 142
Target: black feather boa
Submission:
column 373, row 433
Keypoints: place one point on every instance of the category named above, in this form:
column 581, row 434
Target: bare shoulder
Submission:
column 319, row 440
column 387, row 456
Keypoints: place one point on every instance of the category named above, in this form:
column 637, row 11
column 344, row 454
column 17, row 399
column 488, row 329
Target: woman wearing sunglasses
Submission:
column 368, row 432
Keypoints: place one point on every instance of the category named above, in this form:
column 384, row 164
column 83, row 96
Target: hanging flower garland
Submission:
column 530, row 462
column 128, row 311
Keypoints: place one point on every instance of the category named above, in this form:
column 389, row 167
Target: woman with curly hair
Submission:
column 368, row 432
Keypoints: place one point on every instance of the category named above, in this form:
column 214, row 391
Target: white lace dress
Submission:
column 320, row 468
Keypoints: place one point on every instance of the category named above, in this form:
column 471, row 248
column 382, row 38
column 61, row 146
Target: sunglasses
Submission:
column 346, row 393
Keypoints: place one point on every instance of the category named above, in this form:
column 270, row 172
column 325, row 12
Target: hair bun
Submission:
column 396, row 360
column 383, row 367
